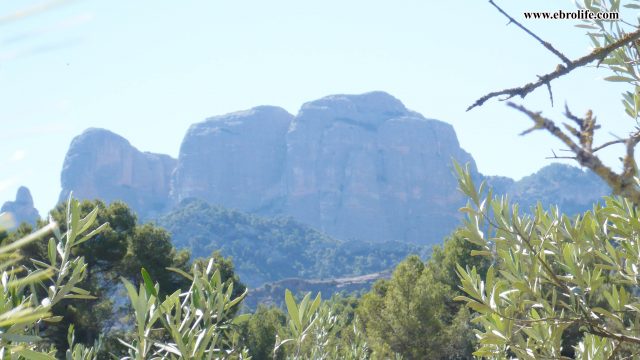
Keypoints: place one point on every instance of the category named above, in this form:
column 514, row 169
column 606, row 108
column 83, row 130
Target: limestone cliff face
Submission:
column 22, row 208
column 235, row 160
column 364, row 167
column 359, row 167
column 104, row 165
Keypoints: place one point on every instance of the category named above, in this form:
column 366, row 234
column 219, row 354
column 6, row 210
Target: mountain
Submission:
column 22, row 208
column 104, row 165
column 572, row 189
column 271, row 249
column 358, row 167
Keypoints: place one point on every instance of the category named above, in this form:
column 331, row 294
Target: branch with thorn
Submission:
column 623, row 184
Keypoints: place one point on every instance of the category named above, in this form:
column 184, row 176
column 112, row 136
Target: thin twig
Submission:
column 550, row 93
column 609, row 143
column 570, row 115
column 547, row 45
column 620, row 337
column 555, row 157
column 597, row 54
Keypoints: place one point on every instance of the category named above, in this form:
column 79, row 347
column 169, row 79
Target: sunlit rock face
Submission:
column 359, row 167
column 365, row 167
column 21, row 209
column 235, row 160
column 104, row 165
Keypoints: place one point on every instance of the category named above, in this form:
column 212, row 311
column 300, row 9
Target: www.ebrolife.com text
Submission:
column 582, row 14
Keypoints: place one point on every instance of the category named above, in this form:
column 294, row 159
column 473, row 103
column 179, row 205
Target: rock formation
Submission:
column 358, row 167
column 235, row 160
column 22, row 208
column 364, row 167
column 101, row 164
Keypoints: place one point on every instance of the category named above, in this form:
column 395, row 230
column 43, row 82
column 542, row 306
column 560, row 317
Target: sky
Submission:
column 147, row 70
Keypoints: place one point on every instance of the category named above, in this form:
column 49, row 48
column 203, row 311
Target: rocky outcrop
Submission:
column 22, row 209
column 359, row 167
column 101, row 164
column 365, row 167
column 235, row 160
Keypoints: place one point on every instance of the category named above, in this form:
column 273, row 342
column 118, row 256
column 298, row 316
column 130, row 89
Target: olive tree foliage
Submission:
column 563, row 286
column 552, row 274
column 199, row 323
column 316, row 330
column 22, row 311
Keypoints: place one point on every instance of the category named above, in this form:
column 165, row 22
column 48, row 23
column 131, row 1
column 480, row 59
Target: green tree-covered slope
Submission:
column 265, row 250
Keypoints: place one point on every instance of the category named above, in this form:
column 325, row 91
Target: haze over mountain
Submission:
column 101, row 164
column 357, row 167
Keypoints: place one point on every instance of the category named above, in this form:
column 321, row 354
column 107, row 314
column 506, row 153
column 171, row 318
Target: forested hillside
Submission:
column 265, row 250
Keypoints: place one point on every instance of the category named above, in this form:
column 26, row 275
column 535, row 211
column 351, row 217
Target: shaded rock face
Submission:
column 236, row 160
column 359, row 167
column 101, row 164
column 22, row 208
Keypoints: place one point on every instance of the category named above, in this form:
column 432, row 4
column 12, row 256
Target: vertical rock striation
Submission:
column 359, row 167
column 365, row 167
column 235, row 160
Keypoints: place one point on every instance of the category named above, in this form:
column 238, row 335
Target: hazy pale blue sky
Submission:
column 148, row 69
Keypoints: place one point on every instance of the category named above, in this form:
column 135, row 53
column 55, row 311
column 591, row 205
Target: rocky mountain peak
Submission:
column 23, row 197
column 368, row 110
column 22, row 208
column 101, row 164
column 358, row 167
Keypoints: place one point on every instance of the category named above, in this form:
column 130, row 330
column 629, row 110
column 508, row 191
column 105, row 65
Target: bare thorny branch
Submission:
column 579, row 139
column 623, row 184
column 561, row 70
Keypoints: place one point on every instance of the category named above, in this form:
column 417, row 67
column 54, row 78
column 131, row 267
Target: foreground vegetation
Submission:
column 536, row 285
column 168, row 293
